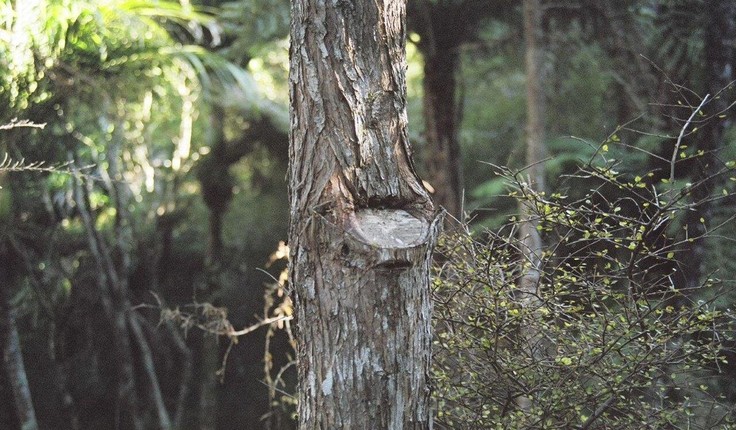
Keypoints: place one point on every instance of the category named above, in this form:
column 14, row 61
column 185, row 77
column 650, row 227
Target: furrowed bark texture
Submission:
column 362, row 227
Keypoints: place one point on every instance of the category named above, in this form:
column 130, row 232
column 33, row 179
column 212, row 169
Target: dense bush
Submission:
column 613, row 339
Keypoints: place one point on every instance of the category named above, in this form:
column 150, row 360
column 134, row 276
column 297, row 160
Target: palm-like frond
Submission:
column 112, row 40
column 250, row 24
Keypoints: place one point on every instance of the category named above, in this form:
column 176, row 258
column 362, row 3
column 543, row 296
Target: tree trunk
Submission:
column 531, row 240
column 217, row 190
column 10, row 349
column 113, row 296
column 362, row 225
column 444, row 165
column 444, row 26
column 11, row 353
column 217, row 193
column 535, row 105
column 720, row 55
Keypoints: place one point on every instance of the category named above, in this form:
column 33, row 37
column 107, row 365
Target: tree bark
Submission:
column 362, row 225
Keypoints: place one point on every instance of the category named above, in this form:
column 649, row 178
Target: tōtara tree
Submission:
column 362, row 227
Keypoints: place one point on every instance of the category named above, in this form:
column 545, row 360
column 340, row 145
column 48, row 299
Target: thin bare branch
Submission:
column 682, row 133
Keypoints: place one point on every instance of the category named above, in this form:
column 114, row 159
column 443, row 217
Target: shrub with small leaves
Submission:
column 612, row 341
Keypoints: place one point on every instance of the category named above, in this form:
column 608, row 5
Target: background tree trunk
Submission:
column 363, row 226
column 444, row 164
column 719, row 55
column 444, row 27
column 534, row 173
column 12, row 358
column 11, row 352
column 217, row 192
column 531, row 240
